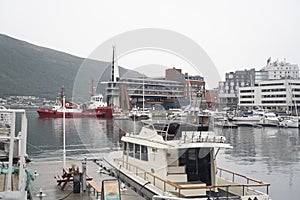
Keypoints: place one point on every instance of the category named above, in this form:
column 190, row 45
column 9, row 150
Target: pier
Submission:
column 45, row 185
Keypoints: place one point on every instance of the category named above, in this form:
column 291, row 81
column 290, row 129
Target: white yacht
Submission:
column 248, row 118
column 269, row 119
column 140, row 114
column 289, row 122
column 162, row 162
column 14, row 175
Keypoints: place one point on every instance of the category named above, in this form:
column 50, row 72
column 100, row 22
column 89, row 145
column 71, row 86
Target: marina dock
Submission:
column 46, row 182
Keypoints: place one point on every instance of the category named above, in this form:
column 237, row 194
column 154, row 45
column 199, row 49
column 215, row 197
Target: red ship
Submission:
column 96, row 107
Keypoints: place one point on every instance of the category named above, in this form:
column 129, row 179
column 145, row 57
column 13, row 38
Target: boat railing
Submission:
column 165, row 185
column 198, row 136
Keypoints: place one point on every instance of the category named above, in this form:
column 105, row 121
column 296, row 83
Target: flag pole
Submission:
column 64, row 131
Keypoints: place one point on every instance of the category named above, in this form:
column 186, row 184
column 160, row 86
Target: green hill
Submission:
column 27, row 69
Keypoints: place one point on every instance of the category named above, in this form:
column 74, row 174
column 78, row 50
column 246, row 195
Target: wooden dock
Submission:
column 45, row 180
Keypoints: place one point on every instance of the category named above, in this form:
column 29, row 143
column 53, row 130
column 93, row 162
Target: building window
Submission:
column 125, row 149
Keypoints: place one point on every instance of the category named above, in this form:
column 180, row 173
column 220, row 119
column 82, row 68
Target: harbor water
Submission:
column 268, row 154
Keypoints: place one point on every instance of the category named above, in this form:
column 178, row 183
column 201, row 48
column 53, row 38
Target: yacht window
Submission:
column 144, row 153
column 154, row 150
column 137, row 151
column 131, row 149
column 125, row 149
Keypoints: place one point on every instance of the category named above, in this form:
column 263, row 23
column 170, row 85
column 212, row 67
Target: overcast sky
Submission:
column 235, row 34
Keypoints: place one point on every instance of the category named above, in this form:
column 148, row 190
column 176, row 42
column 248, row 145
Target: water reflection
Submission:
column 269, row 154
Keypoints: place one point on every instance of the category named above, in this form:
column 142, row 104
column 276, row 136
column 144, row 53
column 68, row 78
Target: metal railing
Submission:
column 163, row 183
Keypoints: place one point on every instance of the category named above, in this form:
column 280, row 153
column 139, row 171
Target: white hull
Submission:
column 289, row 123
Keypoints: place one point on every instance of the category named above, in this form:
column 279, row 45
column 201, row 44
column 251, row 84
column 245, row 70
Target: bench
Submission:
column 95, row 186
column 67, row 178
column 61, row 179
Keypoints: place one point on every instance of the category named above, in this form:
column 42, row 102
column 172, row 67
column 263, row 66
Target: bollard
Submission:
column 76, row 182
column 83, row 162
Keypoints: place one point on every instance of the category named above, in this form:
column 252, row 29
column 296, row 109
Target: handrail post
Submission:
column 227, row 192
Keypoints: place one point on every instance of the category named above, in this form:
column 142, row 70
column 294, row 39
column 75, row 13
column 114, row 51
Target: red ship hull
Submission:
column 48, row 113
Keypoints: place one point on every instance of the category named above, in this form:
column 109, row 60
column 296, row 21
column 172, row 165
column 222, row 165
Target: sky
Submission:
column 235, row 34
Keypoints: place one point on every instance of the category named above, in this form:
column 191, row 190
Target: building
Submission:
column 211, row 98
column 276, row 95
column 136, row 91
column 233, row 81
column 173, row 91
column 193, row 87
column 281, row 70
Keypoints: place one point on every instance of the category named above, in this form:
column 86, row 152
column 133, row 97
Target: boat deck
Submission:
column 45, row 180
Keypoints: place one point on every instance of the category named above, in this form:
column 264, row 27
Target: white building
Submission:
column 281, row 70
column 277, row 95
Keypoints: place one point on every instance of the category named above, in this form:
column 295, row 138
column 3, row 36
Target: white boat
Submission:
column 14, row 175
column 289, row 122
column 269, row 119
column 224, row 123
column 165, row 164
column 139, row 114
column 247, row 119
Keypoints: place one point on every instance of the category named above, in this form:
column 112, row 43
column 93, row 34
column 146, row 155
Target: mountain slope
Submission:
column 27, row 69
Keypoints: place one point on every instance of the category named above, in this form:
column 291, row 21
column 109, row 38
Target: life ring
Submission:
column 67, row 104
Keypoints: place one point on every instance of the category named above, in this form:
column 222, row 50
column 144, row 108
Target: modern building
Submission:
column 174, row 91
column 134, row 91
column 277, row 95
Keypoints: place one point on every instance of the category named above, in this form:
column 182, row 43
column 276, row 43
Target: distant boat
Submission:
column 269, row 119
column 94, row 108
column 224, row 123
column 140, row 114
column 289, row 122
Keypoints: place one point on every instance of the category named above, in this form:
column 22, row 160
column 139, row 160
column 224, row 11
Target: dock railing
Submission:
column 166, row 185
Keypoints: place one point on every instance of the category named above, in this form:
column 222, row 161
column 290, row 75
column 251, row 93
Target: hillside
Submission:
column 27, row 69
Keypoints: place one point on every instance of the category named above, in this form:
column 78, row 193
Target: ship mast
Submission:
column 115, row 75
column 93, row 88
column 62, row 95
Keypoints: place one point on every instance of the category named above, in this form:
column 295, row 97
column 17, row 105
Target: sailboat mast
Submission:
column 143, row 93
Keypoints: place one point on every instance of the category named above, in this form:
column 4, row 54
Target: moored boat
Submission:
column 269, row 119
column 289, row 122
column 15, row 177
column 96, row 107
column 172, row 164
